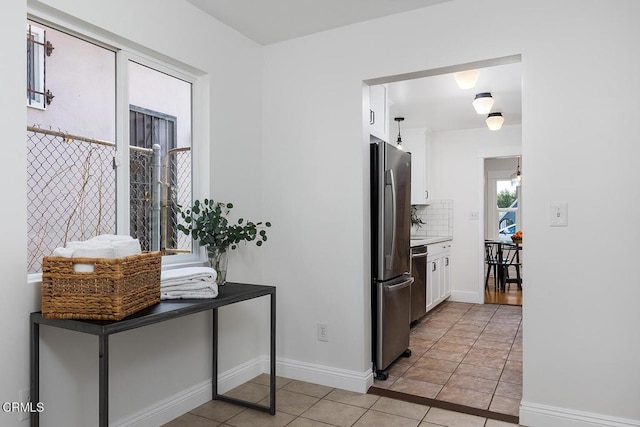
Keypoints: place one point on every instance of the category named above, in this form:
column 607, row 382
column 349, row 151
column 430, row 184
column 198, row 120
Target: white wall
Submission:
column 457, row 167
column 144, row 374
column 580, row 320
column 310, row 179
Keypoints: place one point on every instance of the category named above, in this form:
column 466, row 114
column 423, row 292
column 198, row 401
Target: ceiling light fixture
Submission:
column 516, row 178
column 483, row 102
column 399, row 140
column 494, row 121
column 466, row 79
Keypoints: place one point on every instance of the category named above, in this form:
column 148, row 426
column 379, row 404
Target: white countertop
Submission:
column 417, row 241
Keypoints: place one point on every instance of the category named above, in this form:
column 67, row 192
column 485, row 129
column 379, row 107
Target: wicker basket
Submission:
column 516, row 240
column 115, row 289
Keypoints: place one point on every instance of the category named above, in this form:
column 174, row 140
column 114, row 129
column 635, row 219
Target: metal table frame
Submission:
column 502, row 279
column 230, row 293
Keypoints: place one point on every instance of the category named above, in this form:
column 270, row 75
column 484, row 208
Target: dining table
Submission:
column 503, row 263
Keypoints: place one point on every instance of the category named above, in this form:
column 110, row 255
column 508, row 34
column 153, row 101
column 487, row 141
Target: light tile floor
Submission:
column 465, row 354
column 302, row 404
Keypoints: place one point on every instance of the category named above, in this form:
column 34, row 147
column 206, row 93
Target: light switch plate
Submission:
column 558, row 214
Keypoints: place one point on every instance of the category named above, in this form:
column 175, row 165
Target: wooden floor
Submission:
column 512, row 296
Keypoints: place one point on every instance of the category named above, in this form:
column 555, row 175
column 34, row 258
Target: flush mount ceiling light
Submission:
column 483, row 103
column 399, row 140
column 516, row 178
column 466, row 79
column 494, row 121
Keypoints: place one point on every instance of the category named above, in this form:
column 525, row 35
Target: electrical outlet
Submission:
column 323, row 332
column 25, row 398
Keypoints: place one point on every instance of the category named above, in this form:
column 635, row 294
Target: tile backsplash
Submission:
column 437, row 218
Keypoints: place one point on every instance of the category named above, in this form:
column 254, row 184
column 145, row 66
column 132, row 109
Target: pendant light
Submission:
column 466, row 79
column 483, row 103
column 494, row 121
column 516, row 178
column 399, row 140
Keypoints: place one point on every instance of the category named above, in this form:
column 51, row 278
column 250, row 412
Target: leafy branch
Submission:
column 206, row 221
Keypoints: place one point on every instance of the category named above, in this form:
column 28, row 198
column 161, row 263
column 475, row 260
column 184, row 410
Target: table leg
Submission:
column 501, row 271
column 214, row 354
column 272, row 379
column 103, row 381
column 35, row 371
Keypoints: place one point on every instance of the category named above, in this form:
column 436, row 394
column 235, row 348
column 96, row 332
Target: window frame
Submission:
column 125, row 51
column 39, row 56
column 493, row 212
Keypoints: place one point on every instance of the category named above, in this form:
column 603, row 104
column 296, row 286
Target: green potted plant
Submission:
column 206, row 221
column 416, row 221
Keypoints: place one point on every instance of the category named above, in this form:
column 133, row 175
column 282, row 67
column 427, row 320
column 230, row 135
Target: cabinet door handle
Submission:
column 426, row 194
column 372, row 117
column 433, row 266
column 446, row 261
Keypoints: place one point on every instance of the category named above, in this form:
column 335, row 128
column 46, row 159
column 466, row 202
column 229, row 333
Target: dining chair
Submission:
column 492, row 262
column 511, row 258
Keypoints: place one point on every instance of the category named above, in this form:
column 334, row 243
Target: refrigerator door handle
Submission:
column 390, row 180
column 399, row 286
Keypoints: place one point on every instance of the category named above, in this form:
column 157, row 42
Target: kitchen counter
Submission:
column 418, row 241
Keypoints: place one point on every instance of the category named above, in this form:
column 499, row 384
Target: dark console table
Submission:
column 230, row 293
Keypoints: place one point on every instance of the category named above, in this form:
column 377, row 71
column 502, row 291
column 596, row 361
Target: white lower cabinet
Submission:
column 433, row 281
column 438, row 273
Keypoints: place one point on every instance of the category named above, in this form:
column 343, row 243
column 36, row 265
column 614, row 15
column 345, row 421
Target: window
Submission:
column 507, row 207
column 80, row 182
column 503, row 213
column 36, row 43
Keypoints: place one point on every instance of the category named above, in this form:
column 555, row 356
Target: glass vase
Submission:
column 218, row 261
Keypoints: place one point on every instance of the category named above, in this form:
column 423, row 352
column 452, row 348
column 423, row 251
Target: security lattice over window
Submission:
column 38, row 48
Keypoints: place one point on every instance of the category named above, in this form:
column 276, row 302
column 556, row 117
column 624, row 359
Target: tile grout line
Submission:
column 494, row 318
column 493, row 395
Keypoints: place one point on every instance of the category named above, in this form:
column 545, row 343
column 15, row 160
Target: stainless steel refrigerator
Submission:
column 390, row 253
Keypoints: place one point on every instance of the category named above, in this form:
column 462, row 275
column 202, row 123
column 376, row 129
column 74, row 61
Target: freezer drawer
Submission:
column 394, row 309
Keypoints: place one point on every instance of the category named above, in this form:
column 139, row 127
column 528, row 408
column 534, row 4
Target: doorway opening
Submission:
column 503, row 267
column 465, row 355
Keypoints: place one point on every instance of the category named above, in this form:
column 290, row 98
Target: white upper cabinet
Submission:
column 378, row 111
column 416, row 142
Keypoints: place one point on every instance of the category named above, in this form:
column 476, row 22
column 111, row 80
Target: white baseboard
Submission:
column 358, row 382
column 184, row 401
column 467, row 296
column 533, row 414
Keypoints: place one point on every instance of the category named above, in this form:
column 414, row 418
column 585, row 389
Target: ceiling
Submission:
column 272, row 21
column 434, row 102
column 438, row 104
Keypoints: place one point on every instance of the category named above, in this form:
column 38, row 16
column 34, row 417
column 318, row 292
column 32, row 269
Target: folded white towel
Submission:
column 188, row 282
column 187, row 275
column 83, row 268
column 102, row 246
column 188, row 294
column 82, row 244
column 111, row 238
column 94, row 252
column 197, row 289
column 105, row 246
column 90, row 252
column 124, row 248
column 63, row 252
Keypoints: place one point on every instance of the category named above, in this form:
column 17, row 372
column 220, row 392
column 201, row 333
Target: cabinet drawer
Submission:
column 439, row 248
